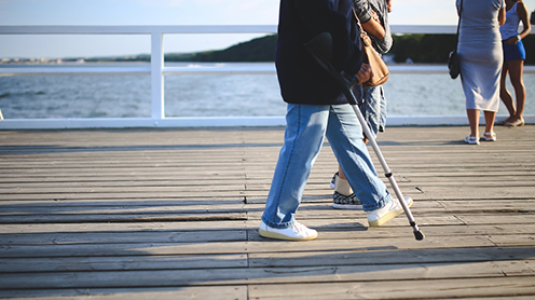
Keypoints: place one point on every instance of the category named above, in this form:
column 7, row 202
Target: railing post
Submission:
column 157, row 62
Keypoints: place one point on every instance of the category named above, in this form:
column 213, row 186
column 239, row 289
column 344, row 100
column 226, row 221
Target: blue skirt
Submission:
column 514, row 52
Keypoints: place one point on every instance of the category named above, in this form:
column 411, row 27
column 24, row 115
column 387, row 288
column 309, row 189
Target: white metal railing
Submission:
column 157, row 71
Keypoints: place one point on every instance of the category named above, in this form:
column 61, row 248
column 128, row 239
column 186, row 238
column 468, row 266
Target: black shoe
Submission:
column 341, row 201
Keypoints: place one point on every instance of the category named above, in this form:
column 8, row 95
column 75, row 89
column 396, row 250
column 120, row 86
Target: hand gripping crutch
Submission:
column 320, row 48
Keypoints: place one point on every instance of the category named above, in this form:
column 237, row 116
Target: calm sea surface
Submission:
column 117, row 96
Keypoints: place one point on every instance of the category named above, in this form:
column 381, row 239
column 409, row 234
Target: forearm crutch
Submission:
column 321, row 49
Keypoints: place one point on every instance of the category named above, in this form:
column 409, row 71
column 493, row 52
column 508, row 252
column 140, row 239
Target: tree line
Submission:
column 419, row 48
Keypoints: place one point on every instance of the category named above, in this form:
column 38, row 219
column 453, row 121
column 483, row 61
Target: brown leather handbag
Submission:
column 373, row 58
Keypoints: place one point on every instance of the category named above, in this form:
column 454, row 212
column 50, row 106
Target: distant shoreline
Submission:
column 419, row 48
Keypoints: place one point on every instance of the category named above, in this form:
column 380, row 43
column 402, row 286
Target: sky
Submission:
column 166, row 12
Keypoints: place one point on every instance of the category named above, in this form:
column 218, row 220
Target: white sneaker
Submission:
column 298, row 232
column 384, row 214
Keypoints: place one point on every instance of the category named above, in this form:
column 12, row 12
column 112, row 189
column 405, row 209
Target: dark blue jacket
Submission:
column 301, row 79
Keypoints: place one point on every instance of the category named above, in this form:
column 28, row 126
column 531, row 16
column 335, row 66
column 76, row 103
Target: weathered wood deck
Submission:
column 173, row 214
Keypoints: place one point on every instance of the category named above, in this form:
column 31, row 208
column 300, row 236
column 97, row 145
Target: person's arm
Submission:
column 501, row 16
column 523, row 14
column 374, row 27
column 524, row 17
column 368, row 19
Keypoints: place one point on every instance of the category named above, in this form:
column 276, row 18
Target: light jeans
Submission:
column 373, row 109
column 307, row 126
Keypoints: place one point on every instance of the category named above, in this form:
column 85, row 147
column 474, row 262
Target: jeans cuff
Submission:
column 283, row 225
column 380, row 204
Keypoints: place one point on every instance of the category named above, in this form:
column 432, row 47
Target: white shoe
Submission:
column 298, row 232
column 471, row 140
column 384, row 214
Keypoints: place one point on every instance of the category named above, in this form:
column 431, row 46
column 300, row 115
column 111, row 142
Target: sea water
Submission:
column 228, row 95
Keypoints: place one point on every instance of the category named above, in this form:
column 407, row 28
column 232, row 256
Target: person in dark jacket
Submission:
column 317, row 108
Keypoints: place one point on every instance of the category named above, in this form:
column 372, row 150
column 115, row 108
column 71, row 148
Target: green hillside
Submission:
column 420, row 48
column 256, row 50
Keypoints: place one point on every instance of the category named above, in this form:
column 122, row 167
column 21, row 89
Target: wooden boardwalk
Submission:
column 173, row 214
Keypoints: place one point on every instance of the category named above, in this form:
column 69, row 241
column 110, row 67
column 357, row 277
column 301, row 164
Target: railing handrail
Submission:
column 157, row 70
column 134, row 29
column 193, row 29
column 196, row 29
column 266, row 68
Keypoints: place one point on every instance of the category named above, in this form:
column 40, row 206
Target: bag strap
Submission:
column 358, row 23
column 459, row 26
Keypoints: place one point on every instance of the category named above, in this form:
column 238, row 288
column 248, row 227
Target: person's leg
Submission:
column 489, row 120
column 505, row 95
column 345, row 137
column 473, row 120
column 490, row 116
column 305, row 131
column 516, row 68
column 382, row 124
column 374, row 109
column 341, row 172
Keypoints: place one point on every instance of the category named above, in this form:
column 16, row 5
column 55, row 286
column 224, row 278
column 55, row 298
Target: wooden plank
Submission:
column 122, row 263
column 149, row 195
column 71, row 181
column 509, row 297
column 345, row 257
column 498, row 220
column 314, row 209
column 137, row 201
column 84, row 238
column 238, row 276
column 234, row 247
column 286, row 262
column 132, row 189
column 333, row 228
column 149, row 208
column 133, row 293
column 452, row 288
column 121, row 218
column 125, row 227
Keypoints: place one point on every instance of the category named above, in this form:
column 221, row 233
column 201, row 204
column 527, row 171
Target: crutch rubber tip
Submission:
column 419, row 235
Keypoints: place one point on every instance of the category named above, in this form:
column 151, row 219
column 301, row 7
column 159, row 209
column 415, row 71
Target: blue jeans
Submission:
column 307, row 126
column 374, row 109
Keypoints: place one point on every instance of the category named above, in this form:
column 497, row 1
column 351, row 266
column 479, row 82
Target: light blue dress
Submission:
column 480, row 53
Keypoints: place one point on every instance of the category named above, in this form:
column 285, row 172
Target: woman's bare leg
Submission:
column 505, row 95
column 490, row 116
column 473, row 119
column 516, row 68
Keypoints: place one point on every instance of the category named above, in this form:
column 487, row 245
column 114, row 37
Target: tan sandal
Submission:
column 519, row 122
column 489, row 137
